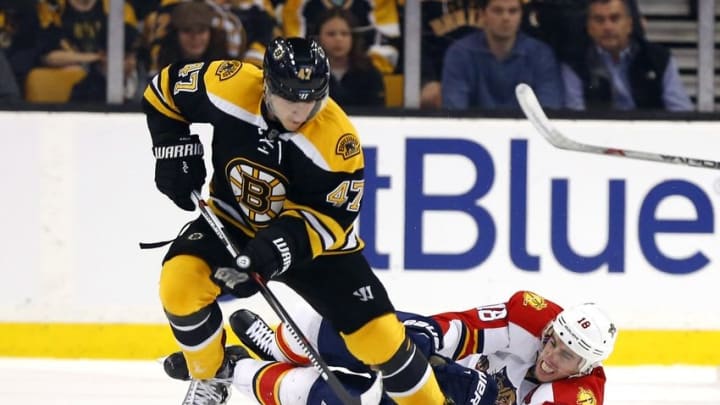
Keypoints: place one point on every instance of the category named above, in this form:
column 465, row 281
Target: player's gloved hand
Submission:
column 235, row 282
column 462, row 385
column 424, row 332
column 267, row 256
column 179, row 167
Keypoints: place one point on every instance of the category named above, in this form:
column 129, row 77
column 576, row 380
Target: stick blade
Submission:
column 530, row 105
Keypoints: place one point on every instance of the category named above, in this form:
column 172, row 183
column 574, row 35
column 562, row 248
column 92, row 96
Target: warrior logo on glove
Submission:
column 178, row 151
column 179, row 167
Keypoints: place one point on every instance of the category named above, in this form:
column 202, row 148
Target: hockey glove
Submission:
column 424, row 332
column 464, row 386
column 266, row 255
column 179, row 167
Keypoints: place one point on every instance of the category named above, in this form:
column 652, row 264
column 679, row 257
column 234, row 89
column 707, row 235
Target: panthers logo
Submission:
column 507, row 393
column 585, row 397
column 259, row 191
column 534, row 301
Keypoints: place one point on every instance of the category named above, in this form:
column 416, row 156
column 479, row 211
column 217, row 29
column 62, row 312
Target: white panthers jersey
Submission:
column 504, row 340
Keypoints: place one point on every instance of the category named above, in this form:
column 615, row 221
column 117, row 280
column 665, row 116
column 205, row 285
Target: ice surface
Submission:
column 85, row 382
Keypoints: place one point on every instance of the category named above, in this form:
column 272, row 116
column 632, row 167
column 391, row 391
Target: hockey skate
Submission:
column 253, row 332
column 214, row 391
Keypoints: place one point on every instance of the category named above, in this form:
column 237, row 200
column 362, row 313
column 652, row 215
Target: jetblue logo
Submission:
column 611, row 238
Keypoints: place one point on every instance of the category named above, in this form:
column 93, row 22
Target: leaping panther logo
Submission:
column 507, row 392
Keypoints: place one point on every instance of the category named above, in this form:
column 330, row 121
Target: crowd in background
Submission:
column 576, row 54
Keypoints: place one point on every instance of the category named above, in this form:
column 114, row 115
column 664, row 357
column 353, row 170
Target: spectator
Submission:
column 191, row 37
column 620, row 71
column 157, row 26
column 443, row 22
column 19, row 28
column 377, row 20
column 77, row 36
column 9, row 90
column 354, row 81
column 93, row 87
column 561, row 24
column 258, row 19
column 483, row 68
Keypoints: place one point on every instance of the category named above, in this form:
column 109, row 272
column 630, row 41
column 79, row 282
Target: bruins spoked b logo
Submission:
column 259, row 191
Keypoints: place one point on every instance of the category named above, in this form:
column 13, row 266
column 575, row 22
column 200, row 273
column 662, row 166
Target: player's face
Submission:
column 291, row 114
column 610, row 25
column 556, row 361
column 502, row 19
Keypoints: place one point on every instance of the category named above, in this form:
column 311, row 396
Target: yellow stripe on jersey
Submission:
column 470, row 345
column 222, row 214
column 159, row 95
column 236, row 89
column 152, row 97
column 333, row 136
column 164, row 89
column 316, row 244
column 323, row 231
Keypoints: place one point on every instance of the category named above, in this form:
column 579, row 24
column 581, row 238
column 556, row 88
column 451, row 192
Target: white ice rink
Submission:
column 45, row 382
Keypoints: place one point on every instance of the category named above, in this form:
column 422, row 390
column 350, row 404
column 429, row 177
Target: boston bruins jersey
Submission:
column 304, row 186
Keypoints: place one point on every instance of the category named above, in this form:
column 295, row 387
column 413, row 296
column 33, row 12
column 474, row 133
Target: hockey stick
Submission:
column 371, row 396
column 534, row 112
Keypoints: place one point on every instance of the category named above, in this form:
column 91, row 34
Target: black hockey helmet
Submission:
column 296, row 69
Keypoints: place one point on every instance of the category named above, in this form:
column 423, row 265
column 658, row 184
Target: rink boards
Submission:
column 457, row 213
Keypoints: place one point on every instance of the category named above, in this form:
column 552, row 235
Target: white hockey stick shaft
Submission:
column 368, row 397
column 534, row 112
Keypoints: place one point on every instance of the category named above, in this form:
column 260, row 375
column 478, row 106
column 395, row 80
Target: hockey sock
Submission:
column 274, row 383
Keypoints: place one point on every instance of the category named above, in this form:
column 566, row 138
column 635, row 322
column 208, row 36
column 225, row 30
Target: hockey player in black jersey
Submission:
column 288, row 182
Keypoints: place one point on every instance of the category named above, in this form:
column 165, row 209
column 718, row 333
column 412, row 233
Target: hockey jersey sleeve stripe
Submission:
column 163, row 89
column 457, row 334
column 308, row 149
column 352, row 241
column 153, row 99
column 470, row 345
column 236, row 111
column 228, row 214
column 324, row 232
column 316, row 246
